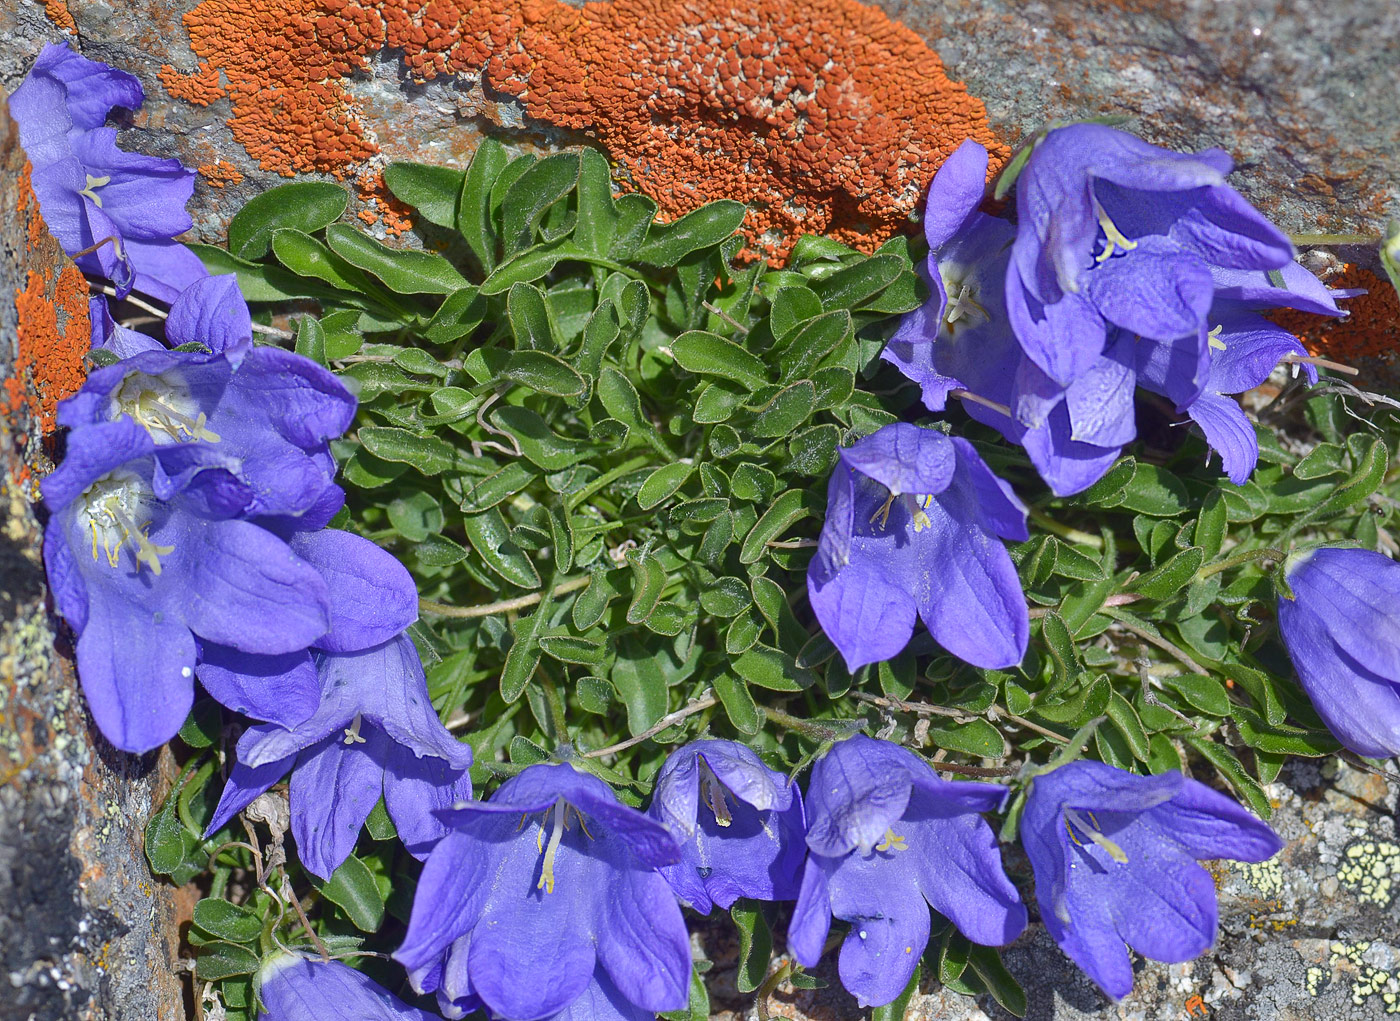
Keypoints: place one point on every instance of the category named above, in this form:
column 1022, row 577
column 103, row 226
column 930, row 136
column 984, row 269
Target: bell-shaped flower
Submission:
column 1113, row 231
column 109, row 335
column 740, row 825
column 139, row 578
column 888, row 840
column 294, row 988
column 962, row 338
column 914, row 524
column 1341, row 626
column 374, row 733
column 545, row 902
column 121, row 209
column 1114, row 856
column 1244, row 349
column 248, row 428
column 372, row 599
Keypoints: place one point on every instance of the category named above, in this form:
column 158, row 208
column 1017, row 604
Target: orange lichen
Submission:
column 53, row 338
column 825, row 118
column 220, row 173
column 381, row 206
column 53, row 328
column 58, row 13
column 1368, row 338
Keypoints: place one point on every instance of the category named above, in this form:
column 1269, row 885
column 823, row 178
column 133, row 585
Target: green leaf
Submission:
column 755, row 944
column 640, row 680
column 545, row 373
column 648, row 582
column 219, row 960
column 457, row 317
column 539, row 444
column 227, row 921
column 709, row 354
column 1234, row 773
column 305, row 206
column 256, row 281
column 1172, row 576
column 304, row 255
column 738, row 703
column 572, row 649
column 203, row 725
column 699, row 1007
column 170, row 848
column 855, row 285
column 811, row 343
column 986, row 962
column 782, row 514
column 1202, row 693
column 311, row 340
column 432, row 191
column 771, row 668
column 523, row 657
column 529, row 198
column 1156, row 492
column 1125, row 720
column 1365, row 479
column 621, row 400
column 728, row 597
column 352, row 888
column 403, row 270
column 788, row 409
column 1281, row 739
column 660, row 484
column 482, row 493
column 1323, row 460
column 975, row 737
column 428, row 454
column 438, row 551
column 378, row 823
column 489, row 536
column 1112, row 486
column 474, row 220
column 790, row 308
column 667, row 243
column 594, row 694
column 1211, row 525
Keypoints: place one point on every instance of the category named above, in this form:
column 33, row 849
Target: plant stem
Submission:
column 704, row 702
column 1064, row 531
column 1264, row 553
column 502, row 606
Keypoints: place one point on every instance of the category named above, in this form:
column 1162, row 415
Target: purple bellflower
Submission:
column 374, row 732
column 1114, row 857
column 124, row 206
column 740, row 825
column 295, row 988
column 372, row 599
column 962, row 338
column 1342, row 630
column 139, row 578
column 1113, row 231
column 247, row 428
column 914, row 523
column 545, row 902
column 888, row 839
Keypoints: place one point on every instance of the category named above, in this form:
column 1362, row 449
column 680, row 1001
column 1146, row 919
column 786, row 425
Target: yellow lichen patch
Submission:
column 1368, row 982
column 1369, row 868
column 1265, row 876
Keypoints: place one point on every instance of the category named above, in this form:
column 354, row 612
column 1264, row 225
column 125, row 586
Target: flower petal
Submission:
column 280, row 689
column 1229, row 432
column 212, row 312
column 955, row 193
column 298, row 989
column 889, row 919
column 903, row 458
column 642, row 941
column 1207, row 824
column 811, row 916
column 372, row 595
column 415, row 789
column 244, row 785
column 452, row 890
column 1157, row 290
column 857, row 791
column 1356, row 595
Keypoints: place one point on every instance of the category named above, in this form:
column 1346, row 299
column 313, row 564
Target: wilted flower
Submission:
column 1115, row 231
column 374, row 733
column 545, row 902
column 93, row 194
column 304, row 989
column 912, row 526
column 1341, row 627
column 139, row 578
column 740, row 825
column 889, row 839
column 1114, row 856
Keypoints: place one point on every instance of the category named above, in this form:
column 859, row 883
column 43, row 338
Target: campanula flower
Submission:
column 295, row 988
column 374, row 733
column 1341, row 627
column 1113, row 231
column 1244, row 348
column 545, row 902
column 914, row 524
column 248, row 428
column 372, row 599
column 93, row 194
column 109, row 335
column 740, row 825
column 140, row 578
column 962, row 338
column 1114, row 857
column 889, row 839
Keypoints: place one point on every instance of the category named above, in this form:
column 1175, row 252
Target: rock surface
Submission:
column 1301, row 93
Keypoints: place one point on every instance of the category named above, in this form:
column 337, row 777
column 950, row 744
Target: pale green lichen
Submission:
column 1368, row 983
column 1369, row 868
column 1266, row 876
